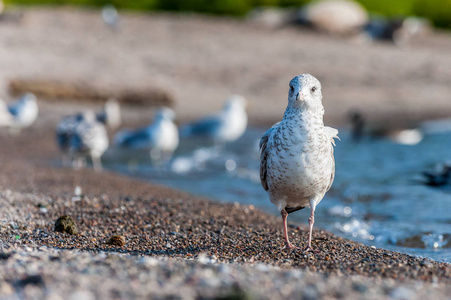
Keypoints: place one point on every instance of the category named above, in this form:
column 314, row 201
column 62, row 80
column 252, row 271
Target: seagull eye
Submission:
column 313, row 89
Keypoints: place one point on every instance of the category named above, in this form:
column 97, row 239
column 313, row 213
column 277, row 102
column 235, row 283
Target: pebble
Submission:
column 116, row 240
column 66, row 224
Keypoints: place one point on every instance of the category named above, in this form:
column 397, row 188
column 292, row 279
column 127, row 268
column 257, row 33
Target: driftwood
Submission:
column 82, row 91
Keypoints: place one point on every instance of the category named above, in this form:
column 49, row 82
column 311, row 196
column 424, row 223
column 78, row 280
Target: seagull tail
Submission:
column 332, row 133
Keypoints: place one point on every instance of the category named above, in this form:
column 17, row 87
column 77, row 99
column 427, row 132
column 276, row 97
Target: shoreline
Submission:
column 173, row 233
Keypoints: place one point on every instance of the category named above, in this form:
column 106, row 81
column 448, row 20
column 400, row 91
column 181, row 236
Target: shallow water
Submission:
column 376, row 198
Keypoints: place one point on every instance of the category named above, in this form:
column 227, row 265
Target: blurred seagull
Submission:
column 64, row 133
column 226, row 126
column 89, row 138
column 161, row 137
column 111, row 114
column 297, row 165
column 24, row 112
column 440, row 177
column 110, row 16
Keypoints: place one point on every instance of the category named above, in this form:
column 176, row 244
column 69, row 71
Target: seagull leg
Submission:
column 288, row 245
column 96, row 163
column 311, row 221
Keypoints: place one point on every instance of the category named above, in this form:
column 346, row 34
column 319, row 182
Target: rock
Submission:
column 66, row 224
column 31, row 280
column 335, row 16
column 412, row 28
column 117, row 240
column 270, row 17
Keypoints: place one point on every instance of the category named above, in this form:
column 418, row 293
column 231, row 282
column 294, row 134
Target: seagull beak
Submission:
column 299, row 96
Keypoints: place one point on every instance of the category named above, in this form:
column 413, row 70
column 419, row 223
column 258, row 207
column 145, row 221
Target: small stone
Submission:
column 66, row 224
column 5, row 255
column 117, row 240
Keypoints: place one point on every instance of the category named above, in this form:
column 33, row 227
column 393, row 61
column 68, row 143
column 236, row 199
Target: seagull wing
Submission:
column 14, row 109
column 133, row 138
column 264, row 155
column 202, row 128
column 332, row 134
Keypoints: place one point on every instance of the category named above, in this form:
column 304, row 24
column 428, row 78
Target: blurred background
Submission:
column 434, row 10
column 385, row 69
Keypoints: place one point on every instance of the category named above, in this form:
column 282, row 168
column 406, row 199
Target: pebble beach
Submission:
column 138, row 240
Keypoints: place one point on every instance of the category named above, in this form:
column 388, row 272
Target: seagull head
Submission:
column 88, row 116
column 234, row 103
column 28, row 97
column 305, row 92
column 165, row 113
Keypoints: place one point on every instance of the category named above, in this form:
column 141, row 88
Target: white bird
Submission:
column 24, row 112
column 64, row 133
column 111, row 114
column 89, row 139
column 297, row 165
column 5, row 116
column 110, row 16
column 160, row 137
column 224, row 127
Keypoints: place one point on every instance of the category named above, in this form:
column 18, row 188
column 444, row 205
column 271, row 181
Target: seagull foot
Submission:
column 310, row 249
column 290, row 246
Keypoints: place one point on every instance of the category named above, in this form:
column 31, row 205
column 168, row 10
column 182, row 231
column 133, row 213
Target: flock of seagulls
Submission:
column 84, row 134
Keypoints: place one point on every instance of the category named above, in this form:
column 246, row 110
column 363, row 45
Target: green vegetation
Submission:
column 438, row 11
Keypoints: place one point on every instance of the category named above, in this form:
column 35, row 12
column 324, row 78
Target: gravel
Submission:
column 42, row 272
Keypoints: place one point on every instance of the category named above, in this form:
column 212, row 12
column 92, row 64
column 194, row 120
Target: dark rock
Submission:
column 117, row 240
column 4, row 255
column 66, row 224
column 31, row 280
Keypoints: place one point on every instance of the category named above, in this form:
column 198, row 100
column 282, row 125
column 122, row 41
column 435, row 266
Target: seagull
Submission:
column 64, row 132
column 111, row 114
column 440, row 177
column 224, row 127
column 110, row 16
column 297, row 165
column 24, row 112
column 160, row 137
column 89, row 139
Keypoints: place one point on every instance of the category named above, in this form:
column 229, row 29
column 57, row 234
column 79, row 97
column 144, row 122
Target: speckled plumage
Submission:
column 297, row 163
